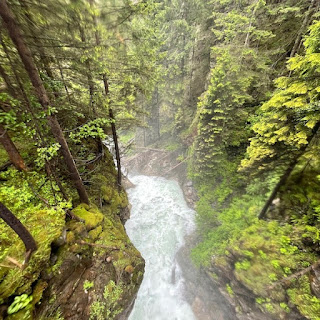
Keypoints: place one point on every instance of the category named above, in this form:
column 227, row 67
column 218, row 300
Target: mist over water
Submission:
column 160, row 218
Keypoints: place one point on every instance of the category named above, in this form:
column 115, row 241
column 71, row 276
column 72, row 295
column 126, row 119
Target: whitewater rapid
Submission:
column 160, row 219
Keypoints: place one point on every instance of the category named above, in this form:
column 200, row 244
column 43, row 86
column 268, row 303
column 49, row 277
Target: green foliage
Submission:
column 286, row 121
column 260, row 252
column 229, row 290
column 109, row 308
column 97, row 311
column 92, row 129
column 243, row 265
column 19, row 303
column 301, row 296
column 218, row 129
column 88, row 285
column 229, row 225
column 46, row 154
column 45, row 224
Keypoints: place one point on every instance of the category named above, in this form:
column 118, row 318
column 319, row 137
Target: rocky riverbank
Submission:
column 202, row 294
column 85, row 267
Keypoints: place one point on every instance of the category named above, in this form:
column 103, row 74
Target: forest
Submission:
column 230, row 88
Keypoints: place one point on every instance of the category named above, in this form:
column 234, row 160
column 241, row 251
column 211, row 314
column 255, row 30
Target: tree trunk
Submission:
column 41, row 93
column 114, row 134
column 14, row 223
column 5, row 139
column 11, row 149
column 306, row 22
column 287, row 173
column 111, row 116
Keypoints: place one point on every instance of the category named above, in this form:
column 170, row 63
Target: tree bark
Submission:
column 28, row 106
column 26, row 57
column 111, row 116
column 114, row 134
column 287, row 173
column 14, row 223
column 11, row 149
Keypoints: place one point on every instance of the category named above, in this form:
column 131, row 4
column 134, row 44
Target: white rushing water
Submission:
column 160, row 218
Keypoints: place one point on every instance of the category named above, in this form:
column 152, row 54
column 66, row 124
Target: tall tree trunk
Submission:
column 23, row 93
column 306, row 22
column 114, row 134
column 111, row 116
column 35, row 122
column 287, row 173
column 19, row 229
column 32, row 26
column 41, row 93
column 11, row 149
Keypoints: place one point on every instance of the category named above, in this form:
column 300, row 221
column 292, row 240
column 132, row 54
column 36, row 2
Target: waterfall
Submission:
column 160, row 219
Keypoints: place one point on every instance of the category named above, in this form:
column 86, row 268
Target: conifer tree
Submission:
column 26, row 57
column 290, row 120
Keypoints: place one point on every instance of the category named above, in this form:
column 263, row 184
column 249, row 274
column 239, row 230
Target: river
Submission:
column 160, row 219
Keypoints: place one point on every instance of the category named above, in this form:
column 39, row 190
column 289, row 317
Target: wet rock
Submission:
column 126, row 183
column 189, row 184
column 198, row 309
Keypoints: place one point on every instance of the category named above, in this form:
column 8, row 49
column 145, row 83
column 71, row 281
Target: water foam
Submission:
column 160, row 218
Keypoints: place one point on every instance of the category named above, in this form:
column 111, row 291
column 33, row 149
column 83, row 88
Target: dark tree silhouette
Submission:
column 12, row 221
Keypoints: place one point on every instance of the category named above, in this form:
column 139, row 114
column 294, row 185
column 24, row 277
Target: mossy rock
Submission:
column 77, row 227
column 38, row 291
column 129, row 269
column 107, row 193
column 95, row 233
column 91, row 215
column 301, row 296
column 45, row 226
column 70, row 237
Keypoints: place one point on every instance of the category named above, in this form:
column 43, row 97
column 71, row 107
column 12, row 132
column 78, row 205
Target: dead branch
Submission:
column 295, row 275
column 15, row 262
column 151, row 149
column 177, row 165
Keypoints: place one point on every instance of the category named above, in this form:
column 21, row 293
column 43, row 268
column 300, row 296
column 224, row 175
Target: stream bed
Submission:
column 160, row 219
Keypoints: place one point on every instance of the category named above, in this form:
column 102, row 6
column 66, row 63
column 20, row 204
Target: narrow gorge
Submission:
column 159, row 160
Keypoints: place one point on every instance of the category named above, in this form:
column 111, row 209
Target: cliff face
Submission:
column 85, row 267
column 97, row 272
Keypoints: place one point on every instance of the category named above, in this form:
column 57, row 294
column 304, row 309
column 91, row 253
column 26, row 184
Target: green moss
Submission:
column 229, row 290
column 97, row 310
column 301, row 296
column 285, row 307
column 45, row 226
column 88, row 285
column 91, row 215
column 77, row 227
column 38, row 291
column 95, row 233
column 21, row 304
column 70, row 237
column 23, row 314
